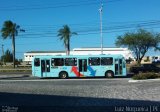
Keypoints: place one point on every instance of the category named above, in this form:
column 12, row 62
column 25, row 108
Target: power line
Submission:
column 64, row 5
column 94, row 29
column 91, row 24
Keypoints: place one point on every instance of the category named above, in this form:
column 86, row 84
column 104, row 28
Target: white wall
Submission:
column 85, row 51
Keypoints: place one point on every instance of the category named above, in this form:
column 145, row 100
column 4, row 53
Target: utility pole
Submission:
column 101, row 33
column 3, row 53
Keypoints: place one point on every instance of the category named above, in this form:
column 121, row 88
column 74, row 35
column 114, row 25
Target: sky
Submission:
column 41, row 20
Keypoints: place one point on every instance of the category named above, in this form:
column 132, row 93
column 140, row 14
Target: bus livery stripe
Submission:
column 92, row 72
column 75, row 71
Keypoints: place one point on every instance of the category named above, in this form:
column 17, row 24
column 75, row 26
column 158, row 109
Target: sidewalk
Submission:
column 4, row 75
column 145, row 80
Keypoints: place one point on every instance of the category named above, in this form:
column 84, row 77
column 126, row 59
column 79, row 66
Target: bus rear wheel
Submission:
column 109, row 74
column 63, row 75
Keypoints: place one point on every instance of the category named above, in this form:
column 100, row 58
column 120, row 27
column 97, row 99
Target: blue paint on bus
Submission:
column 92, row 72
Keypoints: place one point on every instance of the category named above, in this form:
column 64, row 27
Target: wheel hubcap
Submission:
column 110, row 75
column 63, row 76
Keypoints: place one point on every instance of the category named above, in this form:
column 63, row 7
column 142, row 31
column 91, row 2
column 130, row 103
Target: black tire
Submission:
column 109, row 74
column 63, row 75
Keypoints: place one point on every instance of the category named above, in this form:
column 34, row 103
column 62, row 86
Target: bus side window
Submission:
column 36, row 62
column 71, row 62
column 57, row 62
column 94, row 61
column 107, row 61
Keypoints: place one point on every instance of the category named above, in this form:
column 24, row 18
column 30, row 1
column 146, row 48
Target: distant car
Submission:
column 145, row 68
column 156, row 59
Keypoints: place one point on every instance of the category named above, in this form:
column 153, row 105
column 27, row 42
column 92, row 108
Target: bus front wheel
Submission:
column 63, row 75
column 109, row 74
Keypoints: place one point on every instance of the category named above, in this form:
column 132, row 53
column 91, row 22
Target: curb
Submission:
column 147, row 80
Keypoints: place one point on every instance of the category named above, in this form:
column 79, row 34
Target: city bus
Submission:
column 79, row 66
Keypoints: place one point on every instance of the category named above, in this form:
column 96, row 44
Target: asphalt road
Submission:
column 77, row 94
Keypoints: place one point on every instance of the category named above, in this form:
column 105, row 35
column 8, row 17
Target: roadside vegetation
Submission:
column 6, row 64
column 139, row 42
column 10, row 30
column 148, row 75
column 8, row 67
column 65, row 35
column 23, row 69
column 15, row 71
column 142, row 75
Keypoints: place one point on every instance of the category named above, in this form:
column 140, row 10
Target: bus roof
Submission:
column 70, row 56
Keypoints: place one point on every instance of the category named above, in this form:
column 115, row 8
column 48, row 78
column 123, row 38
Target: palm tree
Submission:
column 65, row 35
column 11, row 30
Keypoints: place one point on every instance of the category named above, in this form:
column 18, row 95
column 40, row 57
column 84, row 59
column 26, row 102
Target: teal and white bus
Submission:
column 79, row 66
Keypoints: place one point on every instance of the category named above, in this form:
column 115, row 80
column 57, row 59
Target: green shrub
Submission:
column 149, row 75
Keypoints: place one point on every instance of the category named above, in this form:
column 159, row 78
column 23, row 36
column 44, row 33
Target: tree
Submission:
column 11, row 30
column 7, row 57
column 139, row 42
column 65, row 35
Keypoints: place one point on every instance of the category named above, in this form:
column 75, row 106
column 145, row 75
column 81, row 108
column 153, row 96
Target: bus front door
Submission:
column 118, row 67
column 45, row 67
column 82, row 67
